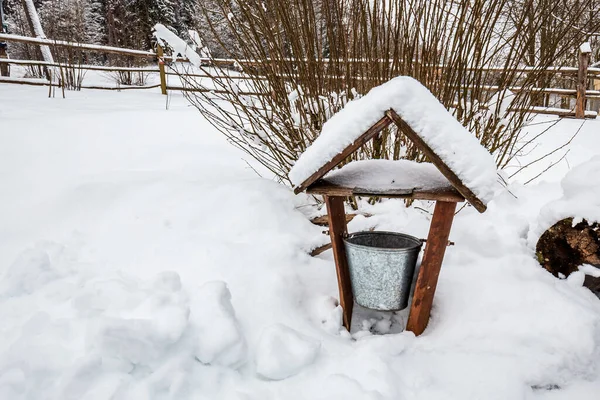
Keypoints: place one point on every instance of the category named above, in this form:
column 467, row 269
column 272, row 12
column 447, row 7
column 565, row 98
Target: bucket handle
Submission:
column 450, row 243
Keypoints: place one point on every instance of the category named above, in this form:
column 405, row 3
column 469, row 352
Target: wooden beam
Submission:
column 320, row 249
column 75, row 45
column 78, row 66
column 215, row 91
column 25, row 81
column 364, row 138
column 323, row 187
column 220, row 77
column 338, row 231
column 119, row 88
column 437, row 240
column 555, row 111
column 435, row 159
column 45, row 82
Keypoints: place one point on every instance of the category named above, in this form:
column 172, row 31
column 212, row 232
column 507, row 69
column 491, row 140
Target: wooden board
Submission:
column 361, row 141
column 337, row 232
column 437, row 161
column 323, row 187
column 323, row 220
column 437, row 240
column 81, row 46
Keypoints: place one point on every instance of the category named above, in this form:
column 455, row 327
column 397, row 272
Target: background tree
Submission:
column 314, row 56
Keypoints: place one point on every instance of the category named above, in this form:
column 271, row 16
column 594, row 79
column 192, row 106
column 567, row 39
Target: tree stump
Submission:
column 564, row 247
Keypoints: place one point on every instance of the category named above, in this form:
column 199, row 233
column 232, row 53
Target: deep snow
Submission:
column 141, row 258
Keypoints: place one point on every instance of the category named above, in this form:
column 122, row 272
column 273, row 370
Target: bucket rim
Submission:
column 417, row 245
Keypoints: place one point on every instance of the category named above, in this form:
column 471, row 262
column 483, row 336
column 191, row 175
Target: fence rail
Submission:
column 77, row 66
column 583, row 72
column 74, row 45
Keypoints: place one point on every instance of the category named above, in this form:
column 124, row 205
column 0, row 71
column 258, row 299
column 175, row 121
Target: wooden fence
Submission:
column 584, row 73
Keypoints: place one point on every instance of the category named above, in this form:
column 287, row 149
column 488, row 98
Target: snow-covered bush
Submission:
column 312, row 57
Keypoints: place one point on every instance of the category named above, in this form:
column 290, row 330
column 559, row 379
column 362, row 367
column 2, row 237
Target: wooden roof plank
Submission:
column 436, row 160
column 361, row 141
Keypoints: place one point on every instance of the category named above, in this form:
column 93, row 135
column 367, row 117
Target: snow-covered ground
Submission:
column 141, row 257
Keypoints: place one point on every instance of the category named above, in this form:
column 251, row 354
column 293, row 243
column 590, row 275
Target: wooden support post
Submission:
column 437, row 240
column 337, row 231
column 584, row 62
column 161, row 68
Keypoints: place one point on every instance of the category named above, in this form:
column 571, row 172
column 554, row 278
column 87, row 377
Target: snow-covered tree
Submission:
column 77, row 20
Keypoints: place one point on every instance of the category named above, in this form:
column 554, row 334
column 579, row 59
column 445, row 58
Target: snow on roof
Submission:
column 418, row 107
column 380, row 175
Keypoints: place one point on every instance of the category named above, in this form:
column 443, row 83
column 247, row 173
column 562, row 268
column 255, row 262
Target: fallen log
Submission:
column 565, row 246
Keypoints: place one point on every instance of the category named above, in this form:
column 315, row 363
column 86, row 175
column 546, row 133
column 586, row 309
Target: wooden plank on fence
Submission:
column 557, row 111
column 78, row 66
column 215, row 91
column 75, row 45
column 45, row 82
column 25, row 81
column 119, row 88
column 220, row 77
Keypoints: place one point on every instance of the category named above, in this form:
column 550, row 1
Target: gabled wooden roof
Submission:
column 391, row 117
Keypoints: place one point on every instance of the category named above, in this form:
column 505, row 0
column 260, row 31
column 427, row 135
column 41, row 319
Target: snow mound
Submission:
column 219, row 338
column 580, row 200
column 419, row 108
column 146, row 332
column 282, row 352
column 32, row 269
column 105, row 213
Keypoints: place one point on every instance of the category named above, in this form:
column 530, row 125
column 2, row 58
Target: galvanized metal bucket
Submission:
column 382, row 265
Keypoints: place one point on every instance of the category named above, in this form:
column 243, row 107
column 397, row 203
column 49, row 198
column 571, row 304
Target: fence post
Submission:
column 4, row 68
column 584, row 61
column 161, row 68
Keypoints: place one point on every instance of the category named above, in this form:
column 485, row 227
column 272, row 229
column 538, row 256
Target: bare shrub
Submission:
column 311, row 57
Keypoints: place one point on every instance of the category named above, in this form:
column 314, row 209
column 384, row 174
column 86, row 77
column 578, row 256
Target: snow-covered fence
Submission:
column 81, row 46
column 583, row 73
column 78, row 66
column 149, row 56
